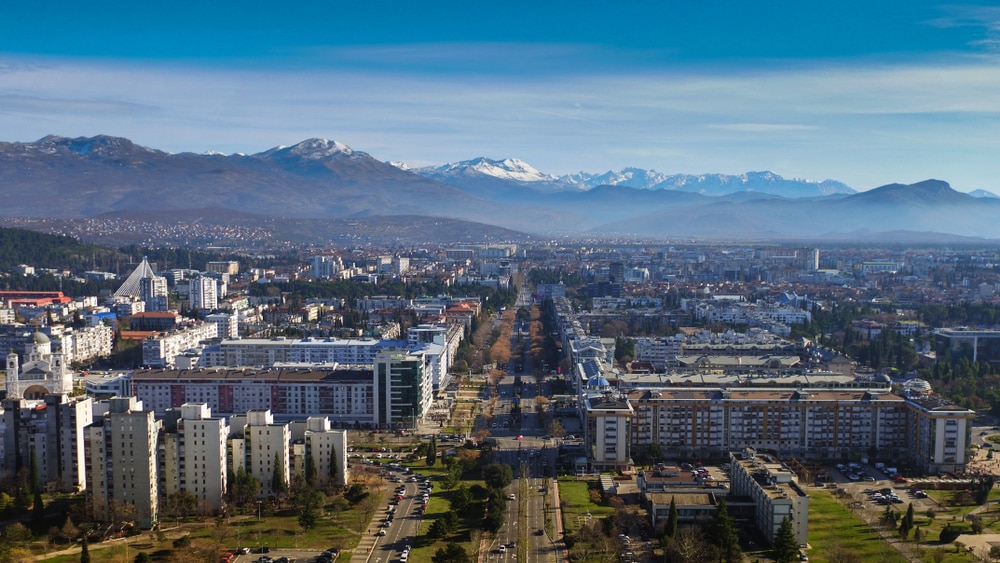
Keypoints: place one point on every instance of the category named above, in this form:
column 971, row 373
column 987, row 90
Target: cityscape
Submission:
column 670, row 381
column 531, row 282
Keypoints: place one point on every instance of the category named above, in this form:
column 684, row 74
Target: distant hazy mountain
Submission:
column 484, row 175
column 319, row 187
column 983, row 193
column 316, row 178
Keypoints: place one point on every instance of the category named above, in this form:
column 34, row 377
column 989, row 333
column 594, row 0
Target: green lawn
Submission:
column 425, row 547
column 575, row 496
column 836, row 532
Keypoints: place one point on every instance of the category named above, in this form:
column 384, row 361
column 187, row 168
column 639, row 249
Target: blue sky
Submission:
column 898, row 91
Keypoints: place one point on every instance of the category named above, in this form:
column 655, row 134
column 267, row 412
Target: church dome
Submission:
column 40, row 338
column 598, row 381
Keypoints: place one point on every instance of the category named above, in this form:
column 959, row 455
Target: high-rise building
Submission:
column 260, row 446
column 325, row 448
column 51, row 430
column 193, row 454
column 204, row 293
column 153, row 291
column 403, row 389
column 120, row 449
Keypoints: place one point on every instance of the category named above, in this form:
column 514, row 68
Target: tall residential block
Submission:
column 120, row 450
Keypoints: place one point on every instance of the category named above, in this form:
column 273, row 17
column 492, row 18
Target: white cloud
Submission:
column 862, row 124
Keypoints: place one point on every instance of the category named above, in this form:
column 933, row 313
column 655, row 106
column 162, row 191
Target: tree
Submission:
column 672, row 517
column 438, row 529
column 143, row 557
column 355, row 494
column 786, row 547
column 84, row 551
column 497, row 475
column 461, row 499
column 310, row 469
column 333, row 464
column 722, row 533
column 278, row 484
column 654, row 451
column 451, row 553
column 432, row 452
column 37, row 506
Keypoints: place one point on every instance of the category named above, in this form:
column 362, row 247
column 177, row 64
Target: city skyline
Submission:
column 867, row 95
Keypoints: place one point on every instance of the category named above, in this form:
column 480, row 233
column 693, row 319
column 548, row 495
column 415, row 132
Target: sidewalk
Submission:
column 562, row 554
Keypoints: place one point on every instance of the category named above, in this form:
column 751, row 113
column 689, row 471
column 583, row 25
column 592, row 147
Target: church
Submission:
column 43, row 372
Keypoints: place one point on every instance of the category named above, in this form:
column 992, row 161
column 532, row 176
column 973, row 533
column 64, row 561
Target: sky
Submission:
column 866, row 93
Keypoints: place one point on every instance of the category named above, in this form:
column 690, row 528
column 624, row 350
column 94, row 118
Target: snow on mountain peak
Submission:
column 320, row 148
column 506, row 169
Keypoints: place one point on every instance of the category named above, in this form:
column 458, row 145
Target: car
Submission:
column 381, row 532
column 404, row 556
column 511, row 496
column 502, row 548
column 264, row 559
column 870, row 479
column 803, row 557
column 853, row 476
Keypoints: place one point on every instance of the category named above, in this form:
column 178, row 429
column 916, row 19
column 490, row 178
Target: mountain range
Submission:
column 474, row 174
column 318, row 181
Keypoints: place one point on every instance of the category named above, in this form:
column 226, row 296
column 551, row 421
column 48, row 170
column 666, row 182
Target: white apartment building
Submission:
column 121, row 467
column 154, row 291
column 264, row 445
column 53, row 430
column 327, row 448
column 270, row 351
column 228, row 323
column 608, row 432
column 159, row 351
column 193, row 454
column 203, row 293
column 660, row 352
column 91, row 342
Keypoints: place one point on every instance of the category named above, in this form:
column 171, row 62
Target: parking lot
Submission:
column 873, row 489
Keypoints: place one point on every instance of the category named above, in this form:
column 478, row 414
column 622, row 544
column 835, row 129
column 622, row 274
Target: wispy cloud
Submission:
column 759, row 127
column 863, row 124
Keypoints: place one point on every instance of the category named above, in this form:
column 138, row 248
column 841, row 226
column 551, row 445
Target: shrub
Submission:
column 949, row 534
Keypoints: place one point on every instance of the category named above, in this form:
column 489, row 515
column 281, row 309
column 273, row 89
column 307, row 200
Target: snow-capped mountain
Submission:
column 311, row 149
column 482, row 175
column 507, row 169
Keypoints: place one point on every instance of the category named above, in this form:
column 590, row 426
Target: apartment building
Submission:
column 270, row 351
column 345, row 394
column 815, row 423
column 192, row 454
column 324, row 447
column 261, row 447
column 52, row 430
column 608, row 432
column 121, row 463
column 160, row 351
column 204, row 293
column 774, row 492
